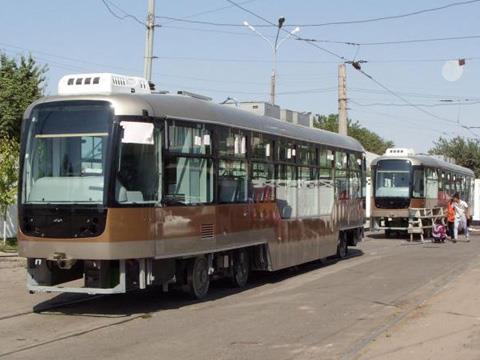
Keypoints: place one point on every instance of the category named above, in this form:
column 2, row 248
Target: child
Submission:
column 439, row 233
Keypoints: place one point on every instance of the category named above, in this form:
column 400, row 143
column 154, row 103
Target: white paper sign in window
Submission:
column 137, row 132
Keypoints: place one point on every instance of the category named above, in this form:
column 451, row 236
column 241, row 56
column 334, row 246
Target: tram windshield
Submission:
column 393, row 179
column 65, row 153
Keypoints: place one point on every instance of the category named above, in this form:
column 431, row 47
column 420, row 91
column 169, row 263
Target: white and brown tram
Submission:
column 404, row 180
column 126, row 189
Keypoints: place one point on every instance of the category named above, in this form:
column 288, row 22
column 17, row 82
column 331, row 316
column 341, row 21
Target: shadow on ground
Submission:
column 154, row 299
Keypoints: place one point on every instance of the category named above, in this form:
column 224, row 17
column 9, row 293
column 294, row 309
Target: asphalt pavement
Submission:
column 322, row 310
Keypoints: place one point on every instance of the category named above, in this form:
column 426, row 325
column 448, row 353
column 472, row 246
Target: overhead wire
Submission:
column 373, row 104
column 331, row 23
column 392, row 17
column 204, row 12
column 406, row 101
column 391, row 42
column 109, row 4
column 340, row 57
column 409, row 120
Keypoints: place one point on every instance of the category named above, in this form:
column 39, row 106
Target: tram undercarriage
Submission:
column 191, row 274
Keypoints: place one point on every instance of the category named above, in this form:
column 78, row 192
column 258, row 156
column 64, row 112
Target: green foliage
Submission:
column 370, row 141
column 21, row 83
column 465, row 152
column 9, row 154
column 10, row 245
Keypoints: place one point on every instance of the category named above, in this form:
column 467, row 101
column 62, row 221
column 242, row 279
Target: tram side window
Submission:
column 431, row 183
column 262, row 147
column 306, row 155
column 418, row 184
column 448, row 185
column 341, row 178
column 263, row 179
column 232, row 143
column 354, row 175
column 462, row 186
column 441, row 181
column 307, row 194
column 286, row 185
column 189, row 140
column 232, row 181
column 286, row 151
column 188, row 180
column 139, row 164
column 326, row 187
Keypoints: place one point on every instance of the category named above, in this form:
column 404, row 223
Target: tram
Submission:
column 122, row 188
column 404, row 180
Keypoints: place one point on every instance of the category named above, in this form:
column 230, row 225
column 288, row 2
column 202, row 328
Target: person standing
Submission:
column 451, row 219
column 461, row 212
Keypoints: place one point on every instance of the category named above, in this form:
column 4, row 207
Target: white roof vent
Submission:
column 399, row 152
column 102, row 83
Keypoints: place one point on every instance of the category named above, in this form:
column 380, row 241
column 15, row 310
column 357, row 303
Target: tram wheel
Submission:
column 342, row 247
column 241, row 268
column 198, row 280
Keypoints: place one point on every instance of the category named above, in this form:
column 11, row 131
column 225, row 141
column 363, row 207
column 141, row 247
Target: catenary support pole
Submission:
column 342, row 100
column 147, row 70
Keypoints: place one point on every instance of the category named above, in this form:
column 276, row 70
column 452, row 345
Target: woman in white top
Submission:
column 461, row 210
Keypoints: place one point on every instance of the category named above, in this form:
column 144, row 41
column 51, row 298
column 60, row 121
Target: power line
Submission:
column 205, row 12
column 386, row 61
column 410, row 94
column 345, row 22
column 466, row 102
column 109, row 4
column 190, row 58
column 163, row 27
column 392, row 17
column 340, row 57
column 411, row 121
column 419, row 108
column 391, row 42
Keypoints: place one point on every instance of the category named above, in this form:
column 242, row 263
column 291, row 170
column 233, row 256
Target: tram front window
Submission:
column 65, row 153
column 393, row 179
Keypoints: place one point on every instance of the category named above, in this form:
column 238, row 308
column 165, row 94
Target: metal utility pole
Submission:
column 342, row 100
column 147, row 69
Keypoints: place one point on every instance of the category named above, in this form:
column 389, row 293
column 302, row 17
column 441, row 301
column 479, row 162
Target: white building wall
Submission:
column 11, row 222
column 476, row 201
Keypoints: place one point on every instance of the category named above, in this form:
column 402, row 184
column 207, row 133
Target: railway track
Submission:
column 50, row 307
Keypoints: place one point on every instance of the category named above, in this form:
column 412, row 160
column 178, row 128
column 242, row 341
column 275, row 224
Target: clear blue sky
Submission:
column 82, row 36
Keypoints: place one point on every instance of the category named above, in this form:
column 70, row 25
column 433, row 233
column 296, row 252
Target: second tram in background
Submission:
column 404, row 180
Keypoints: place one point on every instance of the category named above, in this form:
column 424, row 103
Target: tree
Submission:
column 21, row 83
column 9, row 152
column 465, row 152
column 370, row 141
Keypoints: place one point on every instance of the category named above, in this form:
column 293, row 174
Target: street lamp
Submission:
column 275, row 46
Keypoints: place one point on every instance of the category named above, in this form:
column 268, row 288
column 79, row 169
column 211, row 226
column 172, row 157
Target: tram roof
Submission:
column 428, row 161
column 192, row 109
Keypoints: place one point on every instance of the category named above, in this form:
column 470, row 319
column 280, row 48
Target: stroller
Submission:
column 439, row 231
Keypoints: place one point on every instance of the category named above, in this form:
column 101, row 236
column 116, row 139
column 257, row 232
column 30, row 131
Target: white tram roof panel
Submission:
column 399, row 152
column 188, row 108
column 102, row 83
